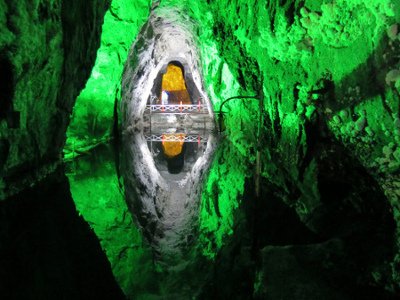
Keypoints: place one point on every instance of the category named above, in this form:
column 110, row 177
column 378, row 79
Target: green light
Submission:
column 92, row 118
column 98, row 198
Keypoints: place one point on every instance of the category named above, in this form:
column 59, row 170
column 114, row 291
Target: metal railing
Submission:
column 175, row 138
column 177, row 108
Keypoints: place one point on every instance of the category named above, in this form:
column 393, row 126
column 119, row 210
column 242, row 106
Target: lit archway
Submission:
column 174, row 85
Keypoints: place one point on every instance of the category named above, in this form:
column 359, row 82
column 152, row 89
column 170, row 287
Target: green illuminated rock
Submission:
column 329, row 72
column 92, row 120
column 47, row 50
column 99, row 199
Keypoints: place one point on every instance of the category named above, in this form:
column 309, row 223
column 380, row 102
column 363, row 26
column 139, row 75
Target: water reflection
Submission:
column 97, row 195
column 174, row 155
column 142, row 271
column 163, row 181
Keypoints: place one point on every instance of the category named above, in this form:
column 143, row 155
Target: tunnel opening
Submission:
column 173, row 86
column 176, row 119
column 174, row 91
column 169, row 152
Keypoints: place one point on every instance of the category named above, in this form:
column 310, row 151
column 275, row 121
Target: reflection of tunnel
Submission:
column 170, row 150
column 183, row 158
column 176, row 163
column 174, row 153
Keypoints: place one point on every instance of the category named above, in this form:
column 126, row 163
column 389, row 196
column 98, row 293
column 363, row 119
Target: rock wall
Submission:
column 47, row 50
column 328, row 72
column 329, row 75
column 94, row 114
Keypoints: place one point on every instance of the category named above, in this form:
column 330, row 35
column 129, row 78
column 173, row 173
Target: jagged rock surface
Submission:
column 47, row 51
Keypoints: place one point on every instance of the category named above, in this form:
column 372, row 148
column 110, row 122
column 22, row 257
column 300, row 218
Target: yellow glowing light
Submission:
column 173, row 82
column 172, row 148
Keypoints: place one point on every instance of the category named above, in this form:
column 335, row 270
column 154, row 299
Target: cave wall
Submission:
column 47, row 50
column 329, row 73
column 92, row 121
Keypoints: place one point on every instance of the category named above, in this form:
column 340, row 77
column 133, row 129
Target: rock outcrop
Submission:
column 329, row 73
column 95, row 113
column 47, row 51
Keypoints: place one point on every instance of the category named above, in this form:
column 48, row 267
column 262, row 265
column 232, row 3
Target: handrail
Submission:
column 260, row 98
column 220, row 112
column 177, row 108
column 256, row 97
column 175, row 138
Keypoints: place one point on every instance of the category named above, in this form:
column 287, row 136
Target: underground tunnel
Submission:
column 219, row 149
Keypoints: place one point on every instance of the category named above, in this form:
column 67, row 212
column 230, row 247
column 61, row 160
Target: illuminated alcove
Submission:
column 176, row 79
column 182, row 101
column 174, row 84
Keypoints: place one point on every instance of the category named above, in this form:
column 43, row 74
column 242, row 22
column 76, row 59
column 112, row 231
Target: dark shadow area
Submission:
column 232, row 274
column 47, row 251
column 354, row 210
column 4, row 151
column 259, row 222
column 355, row 229
column 341, row 251
column 6, row 86
column 273, row 221
column 175, row 164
